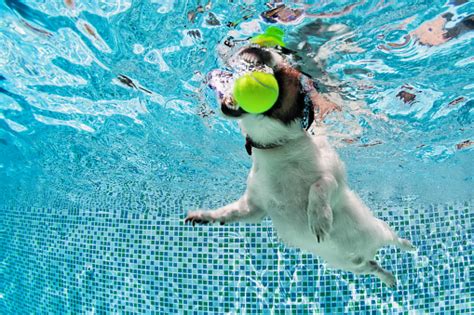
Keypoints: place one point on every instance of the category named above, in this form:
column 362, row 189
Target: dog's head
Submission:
column 291, row 107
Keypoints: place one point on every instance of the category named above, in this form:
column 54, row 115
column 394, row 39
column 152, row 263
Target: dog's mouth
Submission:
column 222, row 83
column 248, row 59
column 254, row 57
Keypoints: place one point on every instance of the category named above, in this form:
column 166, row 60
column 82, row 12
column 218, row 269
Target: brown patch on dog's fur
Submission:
column 290, row 103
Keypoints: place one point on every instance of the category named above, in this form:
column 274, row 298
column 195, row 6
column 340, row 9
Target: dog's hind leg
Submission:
column 238, row 211
column 393, row 239
column 373, row 267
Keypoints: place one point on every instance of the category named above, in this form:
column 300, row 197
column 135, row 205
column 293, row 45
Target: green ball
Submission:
column 256, row 92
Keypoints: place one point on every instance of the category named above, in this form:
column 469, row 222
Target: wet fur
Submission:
column 302, row 187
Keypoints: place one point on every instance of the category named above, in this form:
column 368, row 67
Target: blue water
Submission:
column 108, row 134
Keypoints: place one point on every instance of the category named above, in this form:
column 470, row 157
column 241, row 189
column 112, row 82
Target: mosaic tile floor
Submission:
column 77, row 261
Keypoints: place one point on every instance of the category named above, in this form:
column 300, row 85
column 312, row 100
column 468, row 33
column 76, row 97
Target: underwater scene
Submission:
column 114, row 124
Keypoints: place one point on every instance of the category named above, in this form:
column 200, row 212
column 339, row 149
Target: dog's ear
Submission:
column 308, row 89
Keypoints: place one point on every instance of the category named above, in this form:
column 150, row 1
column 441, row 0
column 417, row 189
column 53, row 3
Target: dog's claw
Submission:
column 320, row 237
column 319, row 232
column 320, row 225
column 197, row 217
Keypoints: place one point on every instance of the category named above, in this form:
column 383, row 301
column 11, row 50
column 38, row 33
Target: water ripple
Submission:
column 104, row 8
column 77, row 69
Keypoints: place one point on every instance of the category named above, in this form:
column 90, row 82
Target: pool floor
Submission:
column 94, row 261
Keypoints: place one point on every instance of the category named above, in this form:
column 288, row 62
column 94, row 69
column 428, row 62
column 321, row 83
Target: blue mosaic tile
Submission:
column 98, row 262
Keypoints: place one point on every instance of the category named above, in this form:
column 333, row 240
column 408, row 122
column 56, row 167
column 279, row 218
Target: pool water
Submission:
column 109, row 134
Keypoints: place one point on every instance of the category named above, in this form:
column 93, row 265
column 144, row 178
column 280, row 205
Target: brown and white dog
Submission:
column 298, row 179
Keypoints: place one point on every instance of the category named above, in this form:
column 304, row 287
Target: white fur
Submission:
column 303, row 188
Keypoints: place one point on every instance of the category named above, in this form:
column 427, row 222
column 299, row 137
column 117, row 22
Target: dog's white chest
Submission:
column 285, row 200
column 280, row 188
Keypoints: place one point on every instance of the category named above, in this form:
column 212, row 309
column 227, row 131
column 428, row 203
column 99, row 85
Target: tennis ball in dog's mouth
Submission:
column 256, row 92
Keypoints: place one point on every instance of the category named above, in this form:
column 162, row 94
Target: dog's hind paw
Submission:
column 406, row 245
column 389, row 279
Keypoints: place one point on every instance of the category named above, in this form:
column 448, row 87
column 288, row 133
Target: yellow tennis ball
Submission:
column 256, row 92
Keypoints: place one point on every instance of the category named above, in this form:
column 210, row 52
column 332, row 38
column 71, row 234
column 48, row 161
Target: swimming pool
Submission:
column 109, row 134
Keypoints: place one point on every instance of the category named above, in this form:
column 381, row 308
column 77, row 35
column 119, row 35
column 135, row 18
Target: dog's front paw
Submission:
column 199, row 217
column 320, row 223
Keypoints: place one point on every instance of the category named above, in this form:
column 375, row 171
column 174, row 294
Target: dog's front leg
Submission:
column 239, row 211
column 319, row 209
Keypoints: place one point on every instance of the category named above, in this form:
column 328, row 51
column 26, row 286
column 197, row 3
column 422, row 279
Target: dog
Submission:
column 297, row 179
